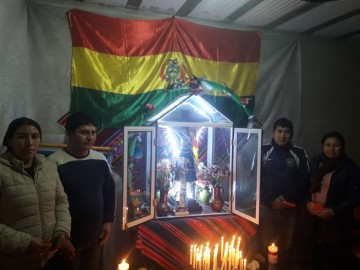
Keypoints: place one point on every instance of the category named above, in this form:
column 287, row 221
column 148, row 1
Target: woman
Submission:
column 34, row 211
column 334, row 193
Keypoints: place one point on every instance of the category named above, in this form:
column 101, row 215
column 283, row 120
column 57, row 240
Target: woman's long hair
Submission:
column 327, row 164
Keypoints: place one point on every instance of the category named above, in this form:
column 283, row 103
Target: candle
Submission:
column 194, row 256
column 234, row 259
column 241, row 261
column 224, row 261
column 208, row 255
column 191, row 254
column 229, row 256
column 215, row 257
column 123, row 265
column 222, row 248
column 238, row 243
column 198, row 260
column 272, row 254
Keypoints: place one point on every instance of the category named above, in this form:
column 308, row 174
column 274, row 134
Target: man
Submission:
column 87, row 181
column 284, row 184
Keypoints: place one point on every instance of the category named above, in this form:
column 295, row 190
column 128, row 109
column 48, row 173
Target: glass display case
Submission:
column 246, row 176
column 188, row 161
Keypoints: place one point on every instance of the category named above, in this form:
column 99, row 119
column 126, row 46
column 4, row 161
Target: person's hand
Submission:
column 311, row 209
column 105, row 233
column 67, row 250
column 315, row 210
column 278, row 203
column 50, row 253
column 325, row 213
column 59, row 241
column 38, row 247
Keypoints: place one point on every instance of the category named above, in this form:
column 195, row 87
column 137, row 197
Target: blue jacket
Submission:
column 285, row 171
column 344, row 191
column 342, row 197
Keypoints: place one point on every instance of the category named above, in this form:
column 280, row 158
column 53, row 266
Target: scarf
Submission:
column 326, row 165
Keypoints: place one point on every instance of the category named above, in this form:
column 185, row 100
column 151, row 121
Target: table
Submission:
column 168, row 241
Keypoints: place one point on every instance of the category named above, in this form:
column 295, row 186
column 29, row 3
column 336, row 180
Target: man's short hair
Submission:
column 284, row 123
column 78, row 119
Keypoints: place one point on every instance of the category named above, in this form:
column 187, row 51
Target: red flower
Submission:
column 245, row 101
column 150, row 107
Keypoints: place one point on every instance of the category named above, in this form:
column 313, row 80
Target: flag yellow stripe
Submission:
column 137, row 75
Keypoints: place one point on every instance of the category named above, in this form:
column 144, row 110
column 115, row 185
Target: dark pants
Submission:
column 85, row 259
column 322, row 244
column 332, row 257
column 278, row 227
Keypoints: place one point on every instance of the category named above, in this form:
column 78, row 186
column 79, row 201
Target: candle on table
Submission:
column 244, row 264
column 224, row 261
column 272, row 254
column 123, row 265
column 191, row 254
column 222, row 248
column 226, row 255
column 204, row 259
column 229, row 256
column 241, row 261
column 233, row 258
column 194, row 256
column 208, row 259
column 238, row 243
column 198, row 261
column 215, row 257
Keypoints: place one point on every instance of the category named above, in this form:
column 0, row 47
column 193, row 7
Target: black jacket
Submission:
column 342, row 197
column 285, row 171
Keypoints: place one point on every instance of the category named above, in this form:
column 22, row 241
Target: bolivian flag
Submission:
column 122, row 69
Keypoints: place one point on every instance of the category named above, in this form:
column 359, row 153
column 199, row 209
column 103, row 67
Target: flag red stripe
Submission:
column 125, row 37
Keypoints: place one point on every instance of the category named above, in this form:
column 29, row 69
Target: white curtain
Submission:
column 278, row 89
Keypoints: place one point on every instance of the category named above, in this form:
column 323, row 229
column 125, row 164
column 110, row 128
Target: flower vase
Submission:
column 163, row 208
column 205, row 195
column 217, row 203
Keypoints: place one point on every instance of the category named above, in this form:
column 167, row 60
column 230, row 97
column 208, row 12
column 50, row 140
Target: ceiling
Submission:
column 327, row 18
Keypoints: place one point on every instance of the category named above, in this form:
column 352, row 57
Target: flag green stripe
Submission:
column 116, row 110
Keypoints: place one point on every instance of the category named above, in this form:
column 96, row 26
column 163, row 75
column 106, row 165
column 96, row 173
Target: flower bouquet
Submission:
column 213, row 174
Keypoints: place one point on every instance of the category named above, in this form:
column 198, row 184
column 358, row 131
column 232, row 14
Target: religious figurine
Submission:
column 185, row 169
column 181, row 165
